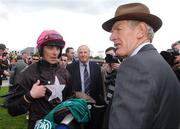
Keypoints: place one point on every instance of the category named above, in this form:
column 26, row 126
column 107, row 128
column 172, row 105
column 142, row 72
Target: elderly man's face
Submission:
column 83, row 53
column 124, row 38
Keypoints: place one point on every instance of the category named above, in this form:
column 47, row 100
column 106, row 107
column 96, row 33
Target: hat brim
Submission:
column 152, row 20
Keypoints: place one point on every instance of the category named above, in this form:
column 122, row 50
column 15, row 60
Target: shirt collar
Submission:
column 82, row 64
column 138, row 48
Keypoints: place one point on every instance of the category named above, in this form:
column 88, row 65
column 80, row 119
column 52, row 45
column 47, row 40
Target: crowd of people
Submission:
column 135, row 88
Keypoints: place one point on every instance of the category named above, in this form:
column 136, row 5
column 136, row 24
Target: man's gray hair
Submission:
column 150, row 31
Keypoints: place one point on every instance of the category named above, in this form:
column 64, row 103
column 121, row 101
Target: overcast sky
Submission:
column 78, row 21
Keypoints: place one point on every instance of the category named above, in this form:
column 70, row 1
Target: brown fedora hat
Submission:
column 134, row 11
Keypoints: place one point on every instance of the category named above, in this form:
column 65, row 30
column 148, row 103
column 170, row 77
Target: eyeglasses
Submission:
column 53, row 36
column 63, row 60
column 35, row 59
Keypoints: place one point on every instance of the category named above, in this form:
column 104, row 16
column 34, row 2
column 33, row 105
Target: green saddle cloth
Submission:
column 77, row 107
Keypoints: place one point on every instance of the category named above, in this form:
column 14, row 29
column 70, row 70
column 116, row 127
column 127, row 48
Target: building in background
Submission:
column 30, row 50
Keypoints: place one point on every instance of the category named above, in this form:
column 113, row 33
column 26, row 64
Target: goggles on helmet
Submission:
column 52, row 38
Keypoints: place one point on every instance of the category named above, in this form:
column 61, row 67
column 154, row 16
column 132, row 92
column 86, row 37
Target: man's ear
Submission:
column 142, row 30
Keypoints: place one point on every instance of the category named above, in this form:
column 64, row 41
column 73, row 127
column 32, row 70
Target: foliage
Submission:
column 7, row 121
column 97, row 57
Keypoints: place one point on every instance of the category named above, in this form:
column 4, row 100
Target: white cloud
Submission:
column 79, row 21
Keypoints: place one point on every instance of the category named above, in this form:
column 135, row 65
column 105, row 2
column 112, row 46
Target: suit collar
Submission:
column 82, row 64
column 147, row 47
column 136, row 50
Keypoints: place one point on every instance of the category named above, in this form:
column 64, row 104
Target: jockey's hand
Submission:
column 37, row 90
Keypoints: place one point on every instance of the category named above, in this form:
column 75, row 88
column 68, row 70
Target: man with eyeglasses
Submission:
column 63, row 60
column 35, row 58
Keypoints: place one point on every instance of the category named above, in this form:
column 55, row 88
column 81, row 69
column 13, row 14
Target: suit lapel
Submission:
column 91, row 70
column 78, row 78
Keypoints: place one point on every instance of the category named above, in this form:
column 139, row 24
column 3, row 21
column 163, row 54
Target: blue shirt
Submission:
column 82, row 67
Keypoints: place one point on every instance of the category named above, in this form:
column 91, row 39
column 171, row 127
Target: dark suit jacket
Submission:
column 74, row 84
column 1, row 74
column 147, row 93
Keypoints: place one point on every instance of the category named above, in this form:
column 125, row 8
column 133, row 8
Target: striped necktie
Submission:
column 86, row 79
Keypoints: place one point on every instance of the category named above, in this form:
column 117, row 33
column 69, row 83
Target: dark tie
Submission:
column 86, row 80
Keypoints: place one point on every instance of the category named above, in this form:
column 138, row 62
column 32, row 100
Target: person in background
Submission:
column 25, row 57
column 16, row 70
column 40, row 87
column 63, row 60
column 109, row 71
column 5, row 63
column 2, row 71
column 86, row 80
column 35, row 58
column 13, row 61
column 176, row 46
column 70, row 54
column 147, row 92
column 2, row 48
column 176, row 67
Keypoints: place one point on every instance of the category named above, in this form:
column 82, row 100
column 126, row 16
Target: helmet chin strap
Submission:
column 60, row 53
